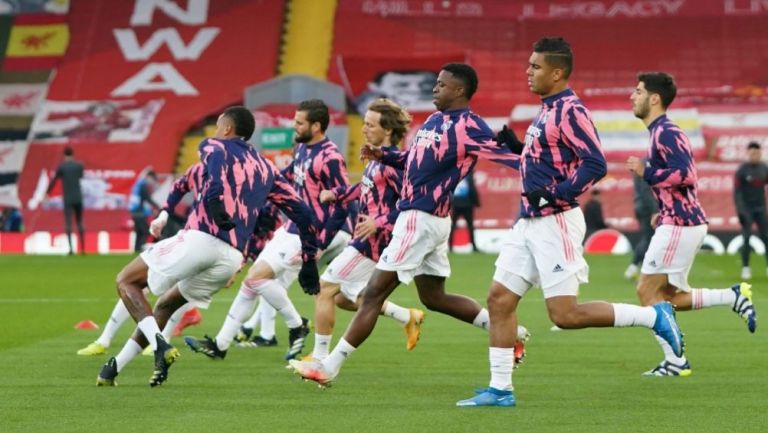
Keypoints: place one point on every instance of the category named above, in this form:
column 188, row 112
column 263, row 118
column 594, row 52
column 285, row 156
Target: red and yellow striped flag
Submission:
column 36, row 42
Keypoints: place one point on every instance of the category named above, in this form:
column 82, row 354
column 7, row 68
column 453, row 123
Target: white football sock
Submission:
column 322, row 343
column 267, row 324
column 703, row 298
column 502, row 361
column 483, row 319
column 241, row 307
column 337, row 357
column 631, row 271
column 255, row 318
column 669, row 354
column 401, row 314
column 625, row 315
column 130, row 350
column 116, row 319
column 272, row 292
column 149, row 328
column 522, row 332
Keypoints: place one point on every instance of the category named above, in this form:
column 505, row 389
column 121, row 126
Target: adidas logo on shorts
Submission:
column 558, row 268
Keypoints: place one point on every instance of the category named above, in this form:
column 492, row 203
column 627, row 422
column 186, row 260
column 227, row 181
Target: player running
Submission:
column 190, row 182
column 444, row 150
column 560, row 160
column 317, row 165
column 681, row 224
column 384, row 125
column 195, row 263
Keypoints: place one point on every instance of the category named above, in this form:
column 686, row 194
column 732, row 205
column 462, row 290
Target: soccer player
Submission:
column 190, row 182
column 681, row 225
column 444, row 150
column 560, row 159
column 204, row 257
column 385, row 125
column 317, row 165
column 749, row 196
column 268, row 221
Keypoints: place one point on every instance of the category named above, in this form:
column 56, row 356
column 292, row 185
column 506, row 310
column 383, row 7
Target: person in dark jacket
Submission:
column 749, row 196
column 142, row 206
column 593, row 214
column 645, row 208
column 465, row 200
column 70, row 171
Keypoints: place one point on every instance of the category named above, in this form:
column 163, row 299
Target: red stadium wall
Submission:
column 161, row 67
column 500, row 192
column 717, row 50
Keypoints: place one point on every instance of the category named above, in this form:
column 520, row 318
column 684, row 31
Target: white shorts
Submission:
column 419, row 246
column 672, row 251
column 336, row 247
column 200, row 264
column 544, row 251
column 351, row 270
column 283, row 254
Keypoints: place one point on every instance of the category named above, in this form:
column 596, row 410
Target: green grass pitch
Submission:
column 571, row 381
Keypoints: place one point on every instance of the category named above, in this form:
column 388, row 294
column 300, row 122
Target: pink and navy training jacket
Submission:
column 378, row 193
column 244, row 180
column 190, row 182
column 671, row 173
column 562, row 154
column 316, row 168
column 444, row 150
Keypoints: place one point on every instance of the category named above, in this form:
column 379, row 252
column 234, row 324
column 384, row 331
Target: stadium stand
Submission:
column 161, row 72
